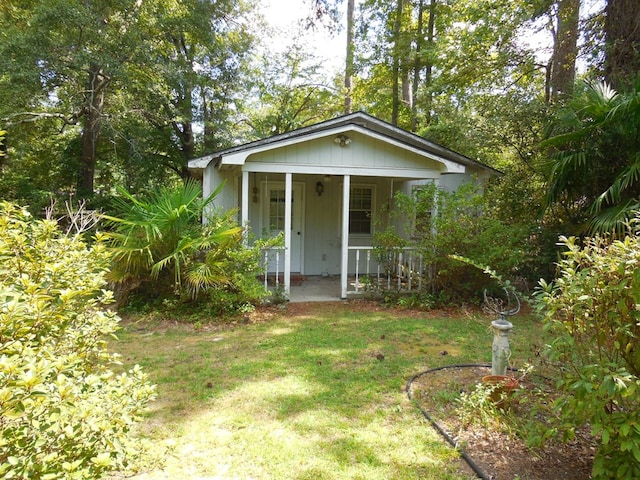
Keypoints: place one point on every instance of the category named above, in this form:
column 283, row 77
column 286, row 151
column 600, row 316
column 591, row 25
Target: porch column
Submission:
column 288, row 195
column 244, row 206
column 345, row 236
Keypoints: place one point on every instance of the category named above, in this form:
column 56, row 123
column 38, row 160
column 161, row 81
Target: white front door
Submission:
column 273, row 215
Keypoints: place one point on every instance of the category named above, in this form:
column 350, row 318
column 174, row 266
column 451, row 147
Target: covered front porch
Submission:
column 328, row 223
column 404, row 272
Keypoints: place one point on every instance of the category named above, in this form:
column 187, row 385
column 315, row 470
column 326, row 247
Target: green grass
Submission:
column 304, row 396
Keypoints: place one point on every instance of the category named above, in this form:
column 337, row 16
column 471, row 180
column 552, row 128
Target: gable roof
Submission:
column 359, row 121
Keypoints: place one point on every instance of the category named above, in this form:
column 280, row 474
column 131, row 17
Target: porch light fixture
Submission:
column 319, row 188
column 342, row 140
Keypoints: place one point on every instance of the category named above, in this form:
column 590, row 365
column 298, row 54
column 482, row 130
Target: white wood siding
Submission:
column 362, row 152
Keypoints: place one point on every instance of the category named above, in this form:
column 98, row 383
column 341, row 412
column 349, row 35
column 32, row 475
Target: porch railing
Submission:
column 399, row 269
column 272, row 265
column 396, row 269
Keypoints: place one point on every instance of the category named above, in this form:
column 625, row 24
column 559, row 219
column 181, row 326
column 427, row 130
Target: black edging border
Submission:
column 474, row 466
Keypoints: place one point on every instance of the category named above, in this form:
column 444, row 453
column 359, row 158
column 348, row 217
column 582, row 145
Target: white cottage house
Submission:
column 323, row 185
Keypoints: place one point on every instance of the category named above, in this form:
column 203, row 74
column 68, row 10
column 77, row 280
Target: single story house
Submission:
column 323, row 185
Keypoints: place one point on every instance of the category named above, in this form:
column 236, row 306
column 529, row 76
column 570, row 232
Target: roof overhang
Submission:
column 452, row 162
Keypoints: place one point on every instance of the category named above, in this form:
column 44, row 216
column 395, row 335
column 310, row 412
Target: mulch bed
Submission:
column 499, row 452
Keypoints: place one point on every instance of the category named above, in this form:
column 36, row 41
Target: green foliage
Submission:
column 386, row 246
column 290, row 93
column 161, row 248
column 155, row 86
column 243, row 291
column 63, row 412
column 591, row 314
column 593, row 166
column 478, row 408
column 442, row 224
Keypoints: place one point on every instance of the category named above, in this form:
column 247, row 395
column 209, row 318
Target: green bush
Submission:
column 592, row 314
column 442, row 224
column 162, row 250
column 63, row 412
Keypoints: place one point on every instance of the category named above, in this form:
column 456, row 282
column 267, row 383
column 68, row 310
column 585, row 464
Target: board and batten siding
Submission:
column 363, row 152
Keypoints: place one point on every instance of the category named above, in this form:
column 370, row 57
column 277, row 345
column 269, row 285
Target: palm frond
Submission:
column 614, row 219
column 625, row 180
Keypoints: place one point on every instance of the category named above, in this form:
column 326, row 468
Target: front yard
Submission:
column 309, row 391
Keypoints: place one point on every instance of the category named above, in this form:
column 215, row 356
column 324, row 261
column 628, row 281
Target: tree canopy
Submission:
column 101, row 94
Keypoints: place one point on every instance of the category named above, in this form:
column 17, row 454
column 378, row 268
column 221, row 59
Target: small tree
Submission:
column 63, row 411
column 594, row 162
column 592, row 315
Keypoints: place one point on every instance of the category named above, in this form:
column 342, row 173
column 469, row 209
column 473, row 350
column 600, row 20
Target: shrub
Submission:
column 161, row 249
column 592, row 314
column 63, row 412
column 441, row 224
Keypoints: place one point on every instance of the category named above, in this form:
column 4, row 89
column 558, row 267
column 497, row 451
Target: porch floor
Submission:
column 316, row 289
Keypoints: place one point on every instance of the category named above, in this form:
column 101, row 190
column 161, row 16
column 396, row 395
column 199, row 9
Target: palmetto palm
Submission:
column 595, row 165
column 160, row 235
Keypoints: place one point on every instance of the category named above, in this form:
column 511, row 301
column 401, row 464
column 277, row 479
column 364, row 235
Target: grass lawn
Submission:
column 311, row 391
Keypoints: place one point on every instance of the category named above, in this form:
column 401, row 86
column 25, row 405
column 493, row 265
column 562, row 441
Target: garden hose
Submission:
column 474, row 466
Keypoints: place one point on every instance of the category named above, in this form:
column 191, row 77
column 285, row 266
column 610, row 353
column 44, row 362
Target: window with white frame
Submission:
column 361, row 210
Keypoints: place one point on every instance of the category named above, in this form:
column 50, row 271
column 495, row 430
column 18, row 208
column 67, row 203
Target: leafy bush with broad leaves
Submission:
column 63, row 412
column 592, row 314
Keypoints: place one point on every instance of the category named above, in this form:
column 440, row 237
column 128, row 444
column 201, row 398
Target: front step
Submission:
column 296, row 279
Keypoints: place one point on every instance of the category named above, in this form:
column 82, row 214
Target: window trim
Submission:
column 373, row 188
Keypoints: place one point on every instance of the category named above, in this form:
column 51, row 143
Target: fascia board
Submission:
column 201, row 162
column 340, row 171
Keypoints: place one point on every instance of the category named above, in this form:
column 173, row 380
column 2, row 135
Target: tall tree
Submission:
column 289, row 93
column 417, row 66
column 148, row 75
column 396, row 71
column 67, row 52
column 622, row 35
column 565, row 52
column 348, row 71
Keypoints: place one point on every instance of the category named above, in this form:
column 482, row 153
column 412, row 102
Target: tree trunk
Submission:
column 94, row 102
column 417, row 67
column 395, row 94
column 183, row 106
column 407, row 91
column 348, row 72
column 622, row 33
column 428, row 70
column 565, row 52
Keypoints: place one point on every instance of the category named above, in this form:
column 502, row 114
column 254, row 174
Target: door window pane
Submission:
column 277, row 209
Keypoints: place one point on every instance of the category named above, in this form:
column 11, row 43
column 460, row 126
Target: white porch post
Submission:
column 345, row 236
column 288, row 189
column 244, row 207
